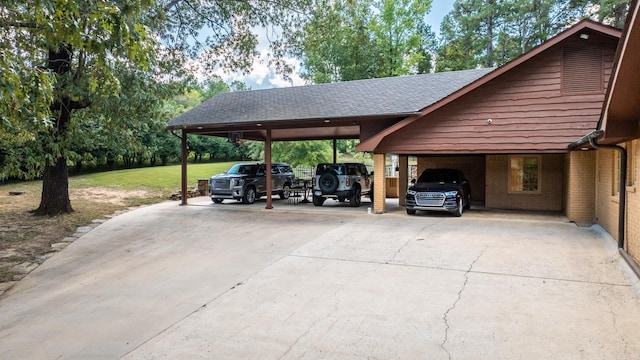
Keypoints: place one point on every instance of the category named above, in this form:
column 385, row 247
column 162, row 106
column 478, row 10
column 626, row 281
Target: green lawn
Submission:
column 159, row 178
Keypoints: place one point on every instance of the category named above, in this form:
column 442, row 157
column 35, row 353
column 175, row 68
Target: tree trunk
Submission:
column 55, row 190
column 55, row 182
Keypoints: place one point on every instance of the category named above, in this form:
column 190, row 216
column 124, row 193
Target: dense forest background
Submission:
column 90, row 85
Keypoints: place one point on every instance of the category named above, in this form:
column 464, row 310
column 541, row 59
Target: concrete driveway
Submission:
column 297, row 282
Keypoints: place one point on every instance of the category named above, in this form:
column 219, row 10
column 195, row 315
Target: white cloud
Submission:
column 261, row 76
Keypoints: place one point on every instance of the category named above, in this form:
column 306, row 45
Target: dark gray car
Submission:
column 247, row 182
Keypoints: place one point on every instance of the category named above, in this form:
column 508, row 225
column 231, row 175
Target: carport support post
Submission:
column 184, row 194
column 335, row 151
column 403, row 178
column 267, row 160
column 379, row 184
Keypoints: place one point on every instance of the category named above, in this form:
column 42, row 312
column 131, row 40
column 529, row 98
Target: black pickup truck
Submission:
column 440, row 190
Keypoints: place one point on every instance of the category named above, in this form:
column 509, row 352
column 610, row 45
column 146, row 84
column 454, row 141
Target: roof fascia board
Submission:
column 372, row 143
column 620, row 52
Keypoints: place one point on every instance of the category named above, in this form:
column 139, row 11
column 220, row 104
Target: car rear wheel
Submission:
column 318, row 200
column 286, row 192
column 354, row 201
column 249, row 196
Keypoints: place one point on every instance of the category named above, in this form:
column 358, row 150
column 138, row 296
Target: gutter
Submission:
column 591, row 138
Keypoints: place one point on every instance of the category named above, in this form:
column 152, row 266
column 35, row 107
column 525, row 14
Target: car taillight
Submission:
column 347, row 182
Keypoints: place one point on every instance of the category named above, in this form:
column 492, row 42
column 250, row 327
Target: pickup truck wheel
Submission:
column 354, row 201
column 459, row 208
column 328, row 182
column 318, row 200
column 217, row 201
column 249, row 196
column 286, row 193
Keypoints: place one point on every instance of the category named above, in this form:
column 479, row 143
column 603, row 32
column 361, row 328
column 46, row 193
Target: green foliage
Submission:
column 487, row 33
column 346, row 40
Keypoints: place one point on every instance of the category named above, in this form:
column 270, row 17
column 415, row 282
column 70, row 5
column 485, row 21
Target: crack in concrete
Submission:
column 614, row 320
column 417, row 238
column 445, row 317
column 325, row 317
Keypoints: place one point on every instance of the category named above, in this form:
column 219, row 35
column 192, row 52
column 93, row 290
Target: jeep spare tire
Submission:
column 328, row 182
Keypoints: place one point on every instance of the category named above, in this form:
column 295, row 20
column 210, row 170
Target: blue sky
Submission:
column 263, row 77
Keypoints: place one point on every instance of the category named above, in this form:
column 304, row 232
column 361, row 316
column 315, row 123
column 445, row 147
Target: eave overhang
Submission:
column 620, row 118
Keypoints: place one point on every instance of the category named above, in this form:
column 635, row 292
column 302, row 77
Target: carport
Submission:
column 348, row 110
column 526, row 111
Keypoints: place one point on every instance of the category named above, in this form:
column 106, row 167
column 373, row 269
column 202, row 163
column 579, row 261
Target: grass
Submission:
column 24, row 237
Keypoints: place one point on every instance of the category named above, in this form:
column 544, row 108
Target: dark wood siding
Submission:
column 528, row 109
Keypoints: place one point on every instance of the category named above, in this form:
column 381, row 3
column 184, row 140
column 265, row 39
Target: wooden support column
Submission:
column 184, row 192
column 379, row 184
column 335, row 151
column 403, row 178
column 267, row 159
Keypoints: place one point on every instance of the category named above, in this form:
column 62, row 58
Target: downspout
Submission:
column 622, row 208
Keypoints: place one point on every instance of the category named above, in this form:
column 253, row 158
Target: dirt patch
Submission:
column 27, row 238
column 109, row 196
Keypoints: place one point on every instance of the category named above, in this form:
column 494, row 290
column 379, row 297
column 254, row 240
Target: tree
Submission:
column 347, row 40
column 487, row 33
column 60, row 56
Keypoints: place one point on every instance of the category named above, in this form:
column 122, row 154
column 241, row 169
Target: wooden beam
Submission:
column 184, row 194
column 267, row 158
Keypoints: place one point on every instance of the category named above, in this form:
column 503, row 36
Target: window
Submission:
column 631, row 167
column 524, row 174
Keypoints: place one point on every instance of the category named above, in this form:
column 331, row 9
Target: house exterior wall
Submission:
column 550, row 197
column 529, row 107
column 607, row 199
column 580, row 188
column 473, row 168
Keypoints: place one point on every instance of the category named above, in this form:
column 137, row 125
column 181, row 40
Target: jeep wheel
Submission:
column 249, row 196
column 459, row 208
column 217, row 201
column 328, row 182
column 284, row 195
column 318, row 200
column 354, row 201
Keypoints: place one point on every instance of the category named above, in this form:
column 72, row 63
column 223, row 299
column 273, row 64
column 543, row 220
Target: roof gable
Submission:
column 585, row 25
